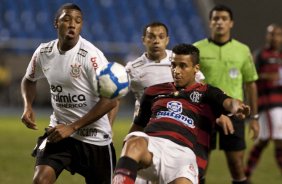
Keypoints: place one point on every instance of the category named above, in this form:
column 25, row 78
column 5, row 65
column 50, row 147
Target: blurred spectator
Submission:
column 5, row 80
column 269, row 66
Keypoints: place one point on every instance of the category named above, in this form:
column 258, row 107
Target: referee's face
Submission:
column 220, row 23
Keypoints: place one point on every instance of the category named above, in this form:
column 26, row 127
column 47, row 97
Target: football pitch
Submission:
column 17, row 142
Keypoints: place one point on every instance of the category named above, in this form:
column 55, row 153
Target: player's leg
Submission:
column 236, row 166
column 134, row 155
column 276, row 121
column 234, row 146
column 100, row 164
column 47, row 169
column 254, row 156
column 213, row 145
column 264, row 137
column 44, row 174
column 278, row 153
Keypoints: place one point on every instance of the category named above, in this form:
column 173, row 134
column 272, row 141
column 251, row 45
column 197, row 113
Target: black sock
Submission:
column 126, row 171
column 202, row 180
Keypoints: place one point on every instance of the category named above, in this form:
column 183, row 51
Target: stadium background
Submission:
column 115, row 26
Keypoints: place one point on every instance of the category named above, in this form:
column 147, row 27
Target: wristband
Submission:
column 255, row 116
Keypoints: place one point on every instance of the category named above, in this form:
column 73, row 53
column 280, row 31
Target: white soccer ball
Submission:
column 113, row 81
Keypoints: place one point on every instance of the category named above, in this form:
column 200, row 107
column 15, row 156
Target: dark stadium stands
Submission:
column 115, row 25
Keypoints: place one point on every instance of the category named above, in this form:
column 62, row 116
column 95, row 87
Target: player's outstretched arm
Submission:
column 237, row 108
column 62, row 131
column 28, row 91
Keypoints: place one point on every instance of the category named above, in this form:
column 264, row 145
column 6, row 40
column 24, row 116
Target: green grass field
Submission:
column 16, row 164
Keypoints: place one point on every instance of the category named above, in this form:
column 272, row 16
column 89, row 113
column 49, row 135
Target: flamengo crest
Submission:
column 195, row 96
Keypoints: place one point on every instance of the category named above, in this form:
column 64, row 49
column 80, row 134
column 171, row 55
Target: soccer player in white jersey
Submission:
column 79, row 137
column 153, row 66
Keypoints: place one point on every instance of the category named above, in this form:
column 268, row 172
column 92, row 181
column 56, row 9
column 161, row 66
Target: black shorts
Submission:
column 95, row 163
column 233, row 142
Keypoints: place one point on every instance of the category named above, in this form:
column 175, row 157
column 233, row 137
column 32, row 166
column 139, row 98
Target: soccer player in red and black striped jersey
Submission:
column 269, row 66
column 177, row 119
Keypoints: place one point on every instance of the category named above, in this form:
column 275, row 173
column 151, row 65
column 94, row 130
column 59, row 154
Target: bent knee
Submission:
column 135, row 148
column 44, row 175
column 41, row 179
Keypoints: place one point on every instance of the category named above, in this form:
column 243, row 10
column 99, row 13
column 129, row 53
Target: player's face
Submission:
column 69, row 25
column 183, row 70
column 274, row 37
column 155, row 42
column 220, row 23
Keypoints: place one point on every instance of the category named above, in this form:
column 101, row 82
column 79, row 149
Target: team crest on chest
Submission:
column 174, row 106
column 75, row 70
column 195, row 96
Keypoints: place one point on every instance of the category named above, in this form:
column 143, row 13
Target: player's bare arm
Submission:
column 226, row 124
column 251, row 94
column 103, row 106
column 237, row 108
column 113, row 113
column 28, row 90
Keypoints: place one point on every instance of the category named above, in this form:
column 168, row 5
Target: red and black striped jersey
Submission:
column 184, row 116
column 269, row 62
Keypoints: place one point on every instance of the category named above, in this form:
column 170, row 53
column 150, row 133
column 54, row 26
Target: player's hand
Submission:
column 28, row 119
column 59, row 132
column 254, row 128
column 240, row 110
column 226, row 124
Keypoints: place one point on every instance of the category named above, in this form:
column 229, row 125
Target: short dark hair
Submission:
column 155, row 24
column 70, row 6
column 187, row 49
column 221, row 7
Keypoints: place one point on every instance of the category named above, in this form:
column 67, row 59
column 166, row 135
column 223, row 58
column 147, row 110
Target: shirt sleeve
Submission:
column 34, row 69
column 135, row 86
column 95, row 61
column 249, row 70
column 144, row 114
column 215, row 98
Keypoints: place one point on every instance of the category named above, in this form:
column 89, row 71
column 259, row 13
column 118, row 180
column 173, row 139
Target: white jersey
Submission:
column 144, row 72
column 73, row 86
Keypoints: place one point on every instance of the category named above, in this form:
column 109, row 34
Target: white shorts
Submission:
column 170, row 160
column 271, row 124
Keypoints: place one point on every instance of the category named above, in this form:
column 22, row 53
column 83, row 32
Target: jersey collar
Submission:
column 218, row 43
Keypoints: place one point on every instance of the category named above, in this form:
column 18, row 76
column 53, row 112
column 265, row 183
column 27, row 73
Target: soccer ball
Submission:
column 113, row 81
